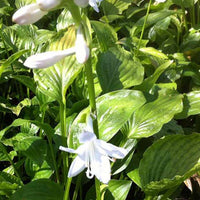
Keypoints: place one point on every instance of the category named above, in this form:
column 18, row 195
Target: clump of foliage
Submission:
column 140, row 85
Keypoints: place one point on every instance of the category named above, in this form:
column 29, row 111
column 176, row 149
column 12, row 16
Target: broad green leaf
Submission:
column 116, row 69
column 42, row 189
column 31, row 146
column 55, row 80
column 191, row 105
column 185, row 3
column 119, row 188
column 106, row 35
column 150, row 118
column 169, row 161
column 114, row 109
column 149, row 82
column 111, row 7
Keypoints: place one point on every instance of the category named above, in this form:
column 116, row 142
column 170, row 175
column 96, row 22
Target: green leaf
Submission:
column 191, row 105
column 42, row 189
column 169, row 161
column 185, row 3
column 154, row 52
column 31, row 146
column 148, row 83
column 119, row 188
column 114, row 109
column 116, row 69
column 135, row 177
column 150, row 118
column 55, row 80
column 106, row 35
column 111, row 7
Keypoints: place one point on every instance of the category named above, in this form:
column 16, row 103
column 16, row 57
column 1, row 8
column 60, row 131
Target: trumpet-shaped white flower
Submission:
column 82, row 50
column 28, row 14
column 48, row 4
column 31, row 13
column 159, row 1
column 92, row 3
column 95, row 155
column 47, row 59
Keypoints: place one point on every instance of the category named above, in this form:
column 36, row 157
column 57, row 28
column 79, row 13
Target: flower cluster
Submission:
column 95, row 155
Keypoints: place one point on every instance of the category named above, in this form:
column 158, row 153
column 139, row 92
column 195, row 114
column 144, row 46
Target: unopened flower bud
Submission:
column 28, row 14
column 47, row 59
column 48, row 4
column 82, row 50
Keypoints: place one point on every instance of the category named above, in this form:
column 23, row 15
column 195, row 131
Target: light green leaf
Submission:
column 150, row 118
column 119, row 188
column 116, row 69
column 42, row 189
column 191, row 105
column 135, row 177
column 169, row 161
column 154, row 52
column 55, row 80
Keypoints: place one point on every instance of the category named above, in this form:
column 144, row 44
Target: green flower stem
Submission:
column 78, row 183
column 143, row 28
column 91, row 91
column 75, row 12
column 67, row 188
column 64, row 137
column 98, row 192
column 198, row 11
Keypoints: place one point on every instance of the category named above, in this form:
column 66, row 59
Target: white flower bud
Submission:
column 28, row 14
column 82, row 50
column 47, row 59
column 48, row 4
column 81, row 3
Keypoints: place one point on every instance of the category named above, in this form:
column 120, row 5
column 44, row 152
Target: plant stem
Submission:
column 64, row 137
column 198, row 11
column 91, row 91
column 67, row 188
column 97, row 186
column 143, row 27
column 78, row 182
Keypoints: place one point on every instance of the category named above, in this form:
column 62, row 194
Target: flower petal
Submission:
column 76, row 167
column 111, row 150
column 47, row 59
column 86, row 136
column 48, row 4
column 94, row 5
column 69, row 150
column 100, row 166
column 28, row 14
column 82, row 50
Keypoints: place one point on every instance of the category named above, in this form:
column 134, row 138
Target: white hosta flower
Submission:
column 82, row 50
column 28, row 14
column 48, row 4
column 92, row 3
column 95, row 155
column 47, row 59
